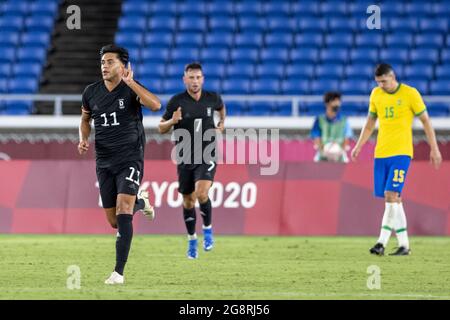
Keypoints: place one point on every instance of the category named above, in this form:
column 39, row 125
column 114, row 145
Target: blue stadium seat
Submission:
column 219, row 39
column 162, row 23
column 364, row 55
column 129, row 39
column 236, row 86
column 223, row 23
column 245, row 54
column 252, row 24
column 443, row 71
column 445, row 55
column 419, row 71
column 305, row 8
column 188, row 39
column 27, row 69
column 23, row 85
column 265, row 86
column 132, row 24
column 277, row 9
column 434, row 25
column 334, row 55
column 278, row 40
column 151, row 53
column 420, row 9
column 339, row 40
column 321, row 86
column 138, row 8
column 305, row 40
column 299, row 70
column 359, row 71
column 334, row 8
column 395, row 55
column 274, row 55
column 159, row 39
column 9, row 39
column 175, row 70
column 187, row 8
column 173, row 85
column 7, row 54
column 369, row 40
column 36, row 39
column 424, row 55
column 421, row 85
column 213, row 84
column 164, row 8
column 18, row 108
column 5, row 69
column 3, row 85
column 393, row 9
column 440, row 87
column 37, row 23
column 438, row 109
column 192, row 24
column 357, row 87
column 404, row 24
column 308, row 24
column 260, row 108
column 249, row 40
column 214, row 70
column 44, row 8
column 153, row 69
column 429, row 40
column 313, row 108
column 185, row 55
column 154, row 84
column 295, row 86
column 342, row 24
column 269, row 70
column 329, row 71
column 220, row 8
column 11, row 24
column 214, row 55
column 399, row 40
column 282, row 24
column 16, row 8
column 304, row 55
column 248, row 7
column 31, row 54
column 240, row 70
column 282, row 109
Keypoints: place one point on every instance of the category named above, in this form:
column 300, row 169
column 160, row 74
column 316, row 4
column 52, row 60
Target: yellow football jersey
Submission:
column 395, row 112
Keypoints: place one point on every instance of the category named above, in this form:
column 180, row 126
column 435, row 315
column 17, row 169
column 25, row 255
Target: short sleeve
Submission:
column 170, row 109
column 85, row 104
column 372, row 105
column 315, row 131
column 417, row 104
column 219, row 103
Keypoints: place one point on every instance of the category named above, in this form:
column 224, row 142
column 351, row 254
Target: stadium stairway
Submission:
column 74, row 60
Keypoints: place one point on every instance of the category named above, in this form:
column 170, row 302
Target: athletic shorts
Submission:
column 124, row 178
column 390, row 174
column 188, row 176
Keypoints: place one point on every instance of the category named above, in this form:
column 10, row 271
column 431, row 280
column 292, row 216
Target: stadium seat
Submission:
column 265, row 86
column 443, row 72
column 16, row 8
column 219, row 39
column 175, row 70
column 269, row 70
column 244, row 55
column 153, row 69
column 36, row 39
column 18, row 108
column 364, row 55
column 129, row 39
column 359, row 71
column 3, row 85
column 160, row 39
column 248, row 7
column 321, row 86
column 274, row 55
column 188, row 39
column 214, row 55
column 329, row 71
column 132, row 24
column 240, row 70
column 185, row 55
column 424, row 55
column 151, row 53
column 305, row 40
column 402, row 40
column 438, row 109
column 281, row 24
column 277, row 9
column 248, row 40
column 44, row 8
column 236, row 86
column 305, row 8
column 154, row 84
column 429, row 40
column 295, row 86
column 299, row 71
column 27, row 69
column 159, row 23
column 304, row 55
column 333, row 8
column 223, row 23
column 252, row 24
column 404, row 24
column 27, row 54
column 11, row 23
column 173, row 85
column 339, row 40
column 334, row 55
column 357, row 87
column 7, row 54
column 395, row 55
column 308, row 24
column 278, row 40
column 220, row 8
column 23, row 85
column 214, row 69
column 133, row 9
column 191, row 24
column 164, row 8
column 419, row 71
column 342, row 24
column 194, row 8
column 440, row 87
column 420, row 9
column 434, row 25
column 369, row 40
column 9, row 39
column 37, row 23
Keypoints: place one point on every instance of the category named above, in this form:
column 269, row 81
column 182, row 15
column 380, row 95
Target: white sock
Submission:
column 193, row 237
column 400, row 227
column 208, row 227
column 388, row 222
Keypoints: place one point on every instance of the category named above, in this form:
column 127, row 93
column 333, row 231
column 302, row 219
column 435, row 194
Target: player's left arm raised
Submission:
column 146, row 98
column 435, row 154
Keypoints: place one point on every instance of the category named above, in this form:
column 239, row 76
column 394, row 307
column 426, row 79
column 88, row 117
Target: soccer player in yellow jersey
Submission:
column 395, row 105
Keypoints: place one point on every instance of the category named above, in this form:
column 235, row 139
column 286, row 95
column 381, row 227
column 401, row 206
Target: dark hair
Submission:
column 193, row 65
column 383, row 69
column 331, row 95
column 122, row 53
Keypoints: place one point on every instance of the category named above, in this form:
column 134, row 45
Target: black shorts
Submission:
column 189, row 175
column 124, row 178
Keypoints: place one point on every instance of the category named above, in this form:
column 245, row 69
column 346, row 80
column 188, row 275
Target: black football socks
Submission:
column 190, row 219
column 123, row 242
column 205, row 210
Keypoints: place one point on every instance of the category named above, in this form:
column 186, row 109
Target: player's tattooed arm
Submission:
column 146, row 98
column 84, row 131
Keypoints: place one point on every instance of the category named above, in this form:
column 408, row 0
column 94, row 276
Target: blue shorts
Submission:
column 390, row 174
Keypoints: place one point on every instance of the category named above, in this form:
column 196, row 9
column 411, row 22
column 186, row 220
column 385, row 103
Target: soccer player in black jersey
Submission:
column 114, row 104
column 191, row 113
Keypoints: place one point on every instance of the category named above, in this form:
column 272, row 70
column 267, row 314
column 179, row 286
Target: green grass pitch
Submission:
column 239, row 267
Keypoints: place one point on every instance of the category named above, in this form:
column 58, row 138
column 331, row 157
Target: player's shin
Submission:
column 388, row 222
column 190, row 220
column 206, row 212
column 400, row 227
column 123, row 242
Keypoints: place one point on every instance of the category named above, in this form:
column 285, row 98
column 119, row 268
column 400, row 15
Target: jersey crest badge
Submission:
column 208, row 111
column 121, row 104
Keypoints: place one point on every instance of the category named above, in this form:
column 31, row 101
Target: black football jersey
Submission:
column 117, row 116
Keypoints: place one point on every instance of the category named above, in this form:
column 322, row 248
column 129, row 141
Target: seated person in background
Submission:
column 331, row 131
